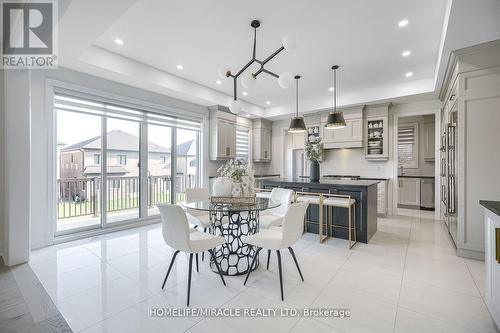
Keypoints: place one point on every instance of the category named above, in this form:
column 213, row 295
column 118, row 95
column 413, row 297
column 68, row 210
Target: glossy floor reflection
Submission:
column 408, row 279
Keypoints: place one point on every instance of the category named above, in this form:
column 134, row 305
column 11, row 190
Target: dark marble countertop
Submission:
column 325, row 181
column 493, row 206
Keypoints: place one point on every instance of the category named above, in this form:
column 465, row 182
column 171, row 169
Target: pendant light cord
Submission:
column 297, row 97
column 334, row 79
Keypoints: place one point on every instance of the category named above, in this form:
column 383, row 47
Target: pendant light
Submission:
column 335, row 119
column 297, row 124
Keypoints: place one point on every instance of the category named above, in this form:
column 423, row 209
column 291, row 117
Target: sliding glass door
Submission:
column 120, row 158
column 78, row 184
column 159, row 167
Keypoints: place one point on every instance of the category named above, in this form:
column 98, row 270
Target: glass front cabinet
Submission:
column 377, row 138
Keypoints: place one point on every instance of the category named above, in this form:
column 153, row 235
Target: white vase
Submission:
column 222, row 187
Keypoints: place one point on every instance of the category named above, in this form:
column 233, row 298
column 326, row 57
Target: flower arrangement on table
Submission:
column 236, row 180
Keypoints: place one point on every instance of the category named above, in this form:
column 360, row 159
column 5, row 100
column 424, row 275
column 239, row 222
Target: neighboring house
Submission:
column 83, row 159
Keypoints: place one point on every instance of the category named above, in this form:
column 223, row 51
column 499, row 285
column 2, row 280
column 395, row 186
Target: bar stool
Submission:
column 342, row 201
column 314, row 199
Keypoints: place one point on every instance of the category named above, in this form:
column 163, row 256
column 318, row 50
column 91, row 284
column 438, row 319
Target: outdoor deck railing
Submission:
column 81, row 196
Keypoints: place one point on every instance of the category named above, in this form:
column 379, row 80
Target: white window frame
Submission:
column 413, row 164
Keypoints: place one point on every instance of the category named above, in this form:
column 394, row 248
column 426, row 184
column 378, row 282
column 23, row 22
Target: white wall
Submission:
column 42, row 224
column 16, row 130
column 2, row 158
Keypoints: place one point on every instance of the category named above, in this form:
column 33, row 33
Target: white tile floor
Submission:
column 408, row 279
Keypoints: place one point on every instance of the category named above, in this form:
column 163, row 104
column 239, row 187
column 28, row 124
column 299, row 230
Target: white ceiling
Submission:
column 363, row 37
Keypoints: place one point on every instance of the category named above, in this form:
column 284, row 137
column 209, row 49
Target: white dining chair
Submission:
column 274, row 217
column 177, row 235
column 200, row 219
column 278, row 238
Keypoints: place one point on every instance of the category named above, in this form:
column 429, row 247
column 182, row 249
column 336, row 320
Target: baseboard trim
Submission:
column 470, row 254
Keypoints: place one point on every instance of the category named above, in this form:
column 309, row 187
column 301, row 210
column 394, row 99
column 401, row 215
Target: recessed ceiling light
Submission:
column 248, row 116
column 403, row 23
column 118, row 41
column 409, row 74
column 244, row 93
column 331, row 89
column 218, row 82
column 180, row 67
column 268, row 102
column 406, row 53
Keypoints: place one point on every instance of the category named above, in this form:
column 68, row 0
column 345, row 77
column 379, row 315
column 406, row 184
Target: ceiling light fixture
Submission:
column 244, row 93
column 285, row 80
column 331, row 89
column 180, row 67
column 218, row 82
column 268, row 102
column 335, row 119
column 406, row 53
column 119, row 41
column 403, row 23
column 297, row 124
column 409, row 74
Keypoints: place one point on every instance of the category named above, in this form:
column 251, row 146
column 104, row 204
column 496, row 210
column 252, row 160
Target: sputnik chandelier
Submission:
column 285, row 80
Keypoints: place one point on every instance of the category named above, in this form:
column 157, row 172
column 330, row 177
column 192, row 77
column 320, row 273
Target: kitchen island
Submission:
column 363, row 191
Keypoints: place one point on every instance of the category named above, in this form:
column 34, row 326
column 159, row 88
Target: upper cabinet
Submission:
column 350, row 136
column 377, row 133
column 222, row 133
column 429, row 141
column 262, row 140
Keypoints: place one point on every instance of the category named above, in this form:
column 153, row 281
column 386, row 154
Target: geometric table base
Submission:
column 235, row 256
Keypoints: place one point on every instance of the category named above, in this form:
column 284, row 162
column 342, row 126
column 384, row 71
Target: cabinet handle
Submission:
column 265, row 154
column 497, row 244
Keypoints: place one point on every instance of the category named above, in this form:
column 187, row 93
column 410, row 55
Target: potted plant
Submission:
column 314, row 153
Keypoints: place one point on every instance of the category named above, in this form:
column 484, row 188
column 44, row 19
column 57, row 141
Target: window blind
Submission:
column 76, row 103
column 242, row 143
column 406, row 144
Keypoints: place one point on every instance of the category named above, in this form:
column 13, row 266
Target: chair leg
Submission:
column 203, row 253
column 281, row 273
column 169, row 268
column 268, row 257
column 217, row 265
column 251, row 265
column 197, row 267
column 189, row 276
column 296, row 262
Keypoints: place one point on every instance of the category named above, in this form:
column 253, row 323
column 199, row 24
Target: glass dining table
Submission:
column 232, row 221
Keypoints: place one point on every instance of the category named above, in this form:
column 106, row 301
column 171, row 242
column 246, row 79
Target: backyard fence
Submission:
column 82, row 196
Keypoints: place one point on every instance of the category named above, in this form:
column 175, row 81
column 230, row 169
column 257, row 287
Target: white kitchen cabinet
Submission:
column 262, row 140
column 492, row 263
column 382, row 198
column 222, row 134
column 376, row 126
column 351, row 136
column 409, row 191
column 429, row 141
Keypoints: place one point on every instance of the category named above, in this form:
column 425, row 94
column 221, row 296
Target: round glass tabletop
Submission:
column 206, row 205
